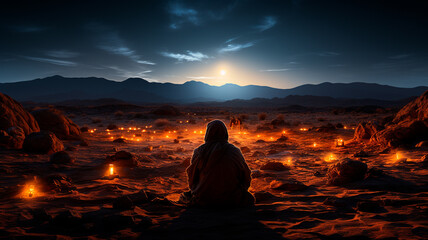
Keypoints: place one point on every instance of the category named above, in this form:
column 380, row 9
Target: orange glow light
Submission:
column 111, row 169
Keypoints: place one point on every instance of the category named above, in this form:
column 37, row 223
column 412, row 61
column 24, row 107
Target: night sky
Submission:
column 275, row 43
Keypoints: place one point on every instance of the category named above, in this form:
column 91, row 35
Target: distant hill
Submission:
column 137, row 90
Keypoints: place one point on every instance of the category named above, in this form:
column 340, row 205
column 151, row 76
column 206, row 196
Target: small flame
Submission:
column 111, row 169
column 31, row 191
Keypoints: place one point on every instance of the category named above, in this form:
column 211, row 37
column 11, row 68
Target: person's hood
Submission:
column 216, row 132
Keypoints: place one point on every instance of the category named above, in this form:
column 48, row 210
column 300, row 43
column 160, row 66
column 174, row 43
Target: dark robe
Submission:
column 218, row 174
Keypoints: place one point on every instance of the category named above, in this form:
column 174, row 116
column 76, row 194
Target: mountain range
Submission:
column 136, row 90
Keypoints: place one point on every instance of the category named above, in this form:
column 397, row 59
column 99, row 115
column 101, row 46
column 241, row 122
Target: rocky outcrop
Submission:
column 12, row 114
column 55, row 121
column 409, row 126
column 12, row 138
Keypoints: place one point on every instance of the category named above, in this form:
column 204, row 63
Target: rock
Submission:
column 346, row 171
column 84, row 129
column 61, row 157
column 180, row 149
column 415, row 110
column 339, row 126
column 245, row 149
column 365, row 131
column 326, row 128
column 123, row 158
column 53, row 120
column 12, row 114
column 119, row 140
column 422, row 144
column 123, row 203
column 176, row 141
column 274, row 166
column 283, row 138
column 409, row 126
column 12, row 138
column 262, row 196
column 42, row 142
column 289, row 185
column 148, row 149
column 258, row 154
column 402, row 134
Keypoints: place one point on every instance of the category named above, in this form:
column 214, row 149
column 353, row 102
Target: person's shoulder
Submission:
column 234, row 148
column 199, row 149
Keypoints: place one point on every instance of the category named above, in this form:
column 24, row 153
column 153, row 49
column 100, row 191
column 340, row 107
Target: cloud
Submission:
column 111, row 42
column 199, row 13
column 61, row 54
column 235, row 47
column 275, row 70
column 52, row 61
column 268, row 22
column 189, row 56
column 129, row 73
column 181, row 15
column 201, row 77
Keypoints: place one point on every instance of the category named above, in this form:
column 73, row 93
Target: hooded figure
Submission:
column 218, row 174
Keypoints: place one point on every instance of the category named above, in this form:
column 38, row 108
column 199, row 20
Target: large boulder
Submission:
column 12, row 114
column 346, row 171
column 42, row 142
column 53, row 120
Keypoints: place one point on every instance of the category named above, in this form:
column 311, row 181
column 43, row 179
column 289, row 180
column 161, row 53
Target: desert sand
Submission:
column 390, row 204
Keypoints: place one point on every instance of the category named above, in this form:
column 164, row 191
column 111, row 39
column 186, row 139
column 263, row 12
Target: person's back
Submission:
column 218, row 174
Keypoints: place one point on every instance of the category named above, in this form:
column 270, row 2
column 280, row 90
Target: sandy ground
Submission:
column 318, row 212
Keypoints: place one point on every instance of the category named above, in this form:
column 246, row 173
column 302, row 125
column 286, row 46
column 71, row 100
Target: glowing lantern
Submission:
column 31, row 191
column 340, row 143
column 283, row 132
column 258, row 135
column 92, row 131
column 111, row 169
column 315, row 144
column 167, row 136
column 194, row 131
column 200, row 132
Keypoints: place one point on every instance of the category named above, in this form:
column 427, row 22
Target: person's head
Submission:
column 216, row 132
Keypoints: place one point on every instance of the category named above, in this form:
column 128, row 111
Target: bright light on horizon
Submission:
column 223, row 72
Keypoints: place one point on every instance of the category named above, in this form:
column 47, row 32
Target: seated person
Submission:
column 218, row 174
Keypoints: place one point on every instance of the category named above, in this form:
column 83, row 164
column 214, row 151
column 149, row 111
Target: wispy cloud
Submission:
column 236, row 47
column 62, row 54
column 275, row 70
column 400, row 56
column 181, row 15
column 52, row 61
column 267, row 23
column 189, row 56
column 110, row 41
column 128, row 73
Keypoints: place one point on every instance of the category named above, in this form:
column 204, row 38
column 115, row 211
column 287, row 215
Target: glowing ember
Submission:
column 315, row 144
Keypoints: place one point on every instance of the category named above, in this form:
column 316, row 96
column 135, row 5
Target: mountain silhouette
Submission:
column 136, row 90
